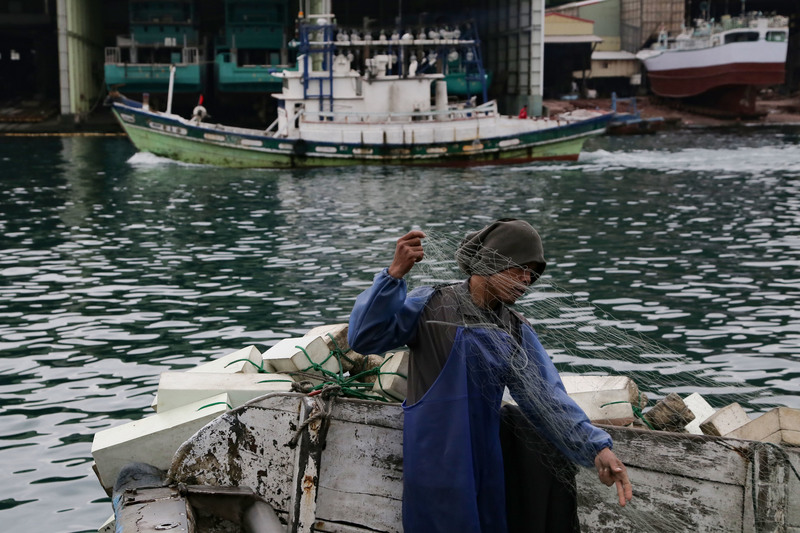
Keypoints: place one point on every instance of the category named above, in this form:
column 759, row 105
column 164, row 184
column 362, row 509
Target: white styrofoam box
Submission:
column 335, row 336
column 179, row 388
column 246, row 360
column 602, row 397
column 393, row 376
column 778, row 426
column 701, row 409
column 288, row 355
column 725, row 420
column 154, row 439
column 109, row 526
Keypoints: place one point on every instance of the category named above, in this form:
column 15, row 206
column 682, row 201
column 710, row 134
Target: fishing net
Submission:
column 585, row 342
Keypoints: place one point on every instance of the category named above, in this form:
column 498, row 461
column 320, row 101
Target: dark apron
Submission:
column 453, row 464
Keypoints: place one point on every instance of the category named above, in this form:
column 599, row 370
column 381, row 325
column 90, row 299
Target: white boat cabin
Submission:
column 346, row 96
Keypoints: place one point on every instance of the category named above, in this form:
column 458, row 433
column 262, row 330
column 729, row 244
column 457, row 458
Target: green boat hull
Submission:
column 173, row 138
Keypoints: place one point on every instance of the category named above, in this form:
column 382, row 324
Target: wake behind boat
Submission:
column 332, row 115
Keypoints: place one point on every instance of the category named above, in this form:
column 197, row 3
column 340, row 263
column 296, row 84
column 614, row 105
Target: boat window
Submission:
column 741, row 37
column 776, row 36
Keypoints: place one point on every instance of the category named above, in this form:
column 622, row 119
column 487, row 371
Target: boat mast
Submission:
column 317, row 48
column 171, row 87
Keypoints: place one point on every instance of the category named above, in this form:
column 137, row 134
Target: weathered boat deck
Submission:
column 346, row 472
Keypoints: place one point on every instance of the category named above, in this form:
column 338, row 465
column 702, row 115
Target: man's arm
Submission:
column 383, row 317
column 562, row 421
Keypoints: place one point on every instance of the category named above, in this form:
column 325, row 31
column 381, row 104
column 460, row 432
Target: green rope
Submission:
column 637, row 411
column 352, row 386
column 318, row 366
column 215, row 403
column 339, row 352
column 259, row 367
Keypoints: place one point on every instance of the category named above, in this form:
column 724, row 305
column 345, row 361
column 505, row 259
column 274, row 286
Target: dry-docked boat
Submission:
column 234, row 449
column 719, row 66
column 330, row 114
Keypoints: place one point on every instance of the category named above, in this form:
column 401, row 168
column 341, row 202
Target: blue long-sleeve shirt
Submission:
column 427, row 320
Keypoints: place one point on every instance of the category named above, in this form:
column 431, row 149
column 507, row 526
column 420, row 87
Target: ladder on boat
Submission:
column 474, row 73
column 317, row 48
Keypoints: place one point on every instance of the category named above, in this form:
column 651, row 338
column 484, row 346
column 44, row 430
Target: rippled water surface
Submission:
column 116, row 266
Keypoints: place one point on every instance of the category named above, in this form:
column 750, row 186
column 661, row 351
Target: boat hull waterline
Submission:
column 175, row 138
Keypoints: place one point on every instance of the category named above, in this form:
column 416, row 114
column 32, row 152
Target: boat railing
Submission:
column 488, row 109
column 360, row 43
column 113, row 54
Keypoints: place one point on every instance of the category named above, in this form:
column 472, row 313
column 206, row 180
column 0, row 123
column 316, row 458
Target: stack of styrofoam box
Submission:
column 298, row 354
column 235, row 374
column 335, row 336
column 778, row 426
column 184, row 387
column 185, row 402
column 178, row 388
column 725, row 420
column 604, row 398
column 151, row 440
column 392, row 378
column 701, row 409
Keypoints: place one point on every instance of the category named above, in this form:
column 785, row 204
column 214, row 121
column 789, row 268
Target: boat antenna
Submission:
column 399, row 16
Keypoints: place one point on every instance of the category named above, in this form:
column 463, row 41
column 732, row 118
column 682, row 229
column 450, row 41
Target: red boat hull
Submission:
column 686, row 82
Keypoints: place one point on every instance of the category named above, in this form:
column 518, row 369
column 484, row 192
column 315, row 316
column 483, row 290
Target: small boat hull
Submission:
column 681, row 481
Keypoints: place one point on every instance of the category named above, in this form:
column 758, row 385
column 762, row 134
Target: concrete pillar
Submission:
column 63, row 58
column 80, row 52
column 513, row 32
column 536, row 89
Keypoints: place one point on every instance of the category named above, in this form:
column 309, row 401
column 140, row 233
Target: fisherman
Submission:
column 467, row 344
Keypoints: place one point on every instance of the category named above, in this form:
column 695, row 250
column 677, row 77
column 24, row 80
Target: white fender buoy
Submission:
column 199, row 113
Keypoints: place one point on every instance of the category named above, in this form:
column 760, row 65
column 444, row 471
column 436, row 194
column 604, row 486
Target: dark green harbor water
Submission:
column 116, row 266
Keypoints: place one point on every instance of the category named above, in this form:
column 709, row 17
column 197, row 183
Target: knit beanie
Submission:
column 503, row 244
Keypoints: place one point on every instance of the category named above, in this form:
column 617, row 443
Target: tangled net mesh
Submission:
column 582, row 339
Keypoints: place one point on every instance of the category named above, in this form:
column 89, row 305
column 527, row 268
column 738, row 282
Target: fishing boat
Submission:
column 330, row 114
column 719, row 67
column 246, row 443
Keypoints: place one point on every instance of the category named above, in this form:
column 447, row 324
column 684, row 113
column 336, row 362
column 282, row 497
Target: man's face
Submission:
column 508, row 285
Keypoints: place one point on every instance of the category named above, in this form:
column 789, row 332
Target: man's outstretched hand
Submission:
column 611, row 471
column 407, row 254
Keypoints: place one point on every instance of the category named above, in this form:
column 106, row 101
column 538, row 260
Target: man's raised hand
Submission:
column 407, row 253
